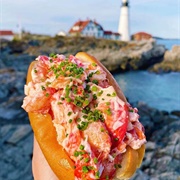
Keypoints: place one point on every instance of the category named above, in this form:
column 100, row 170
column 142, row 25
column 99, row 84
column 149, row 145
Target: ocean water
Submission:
column 161, row 91
column 169, row 43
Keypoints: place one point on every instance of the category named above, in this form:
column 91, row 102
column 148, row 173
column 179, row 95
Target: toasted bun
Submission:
column 56, row 157
column 46, row 137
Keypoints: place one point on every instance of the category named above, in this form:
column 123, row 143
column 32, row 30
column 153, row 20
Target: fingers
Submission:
column 40, row 167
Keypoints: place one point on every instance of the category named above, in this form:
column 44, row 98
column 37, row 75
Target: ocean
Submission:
column 161, row 91
column 169, row 43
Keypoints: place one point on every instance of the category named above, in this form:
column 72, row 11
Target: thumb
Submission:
column 40, row 168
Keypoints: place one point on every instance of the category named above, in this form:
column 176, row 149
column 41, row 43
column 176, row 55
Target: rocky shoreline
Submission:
column 162, row 157
column 117, row 56
column 170, row 61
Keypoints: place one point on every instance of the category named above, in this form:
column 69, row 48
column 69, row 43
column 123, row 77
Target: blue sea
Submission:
column 169, row 43
column 161, row 91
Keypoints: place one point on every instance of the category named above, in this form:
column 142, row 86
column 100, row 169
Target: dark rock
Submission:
column 132, row 56
column 21, row 132
column 165, row 112
column 170, row 61
column 176, row 113
column 15, row 152
column 12, row 82
column 18, row 46
column 150, row 146
column 140, row 175
column 11, row 109
column 19, row 62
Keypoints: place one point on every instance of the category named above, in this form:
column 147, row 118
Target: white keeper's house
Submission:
column 7, row 35
column 91, row 28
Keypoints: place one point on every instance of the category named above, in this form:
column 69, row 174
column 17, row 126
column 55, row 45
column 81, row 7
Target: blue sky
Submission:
column 158, row 17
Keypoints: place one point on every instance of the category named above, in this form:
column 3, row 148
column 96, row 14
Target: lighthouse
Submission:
column 124, row 21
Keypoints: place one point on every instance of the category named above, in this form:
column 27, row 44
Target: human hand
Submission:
column 40, row 167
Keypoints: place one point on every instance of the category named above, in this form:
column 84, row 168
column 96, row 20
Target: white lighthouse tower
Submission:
column 124, row 21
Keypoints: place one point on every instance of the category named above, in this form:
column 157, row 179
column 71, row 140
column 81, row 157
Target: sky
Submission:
column 159, row 18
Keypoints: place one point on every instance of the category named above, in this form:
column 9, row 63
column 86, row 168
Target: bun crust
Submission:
column 45, row 134
column 56, row 156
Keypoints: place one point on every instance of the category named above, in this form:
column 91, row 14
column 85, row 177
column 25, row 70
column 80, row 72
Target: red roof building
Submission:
column 8, row 35
column 141, row 36
column 87, row 28
column 92, row 29
column 111, row 35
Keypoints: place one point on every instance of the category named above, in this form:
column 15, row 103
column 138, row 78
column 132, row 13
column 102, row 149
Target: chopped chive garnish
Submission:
column 47, row 94
column 69, row 113
column 85, row 169
column 94, row 96
column 97, row 72
column 95, row 160
column 70, row 121
column 94, row 88
column 81, row 147
column 95, row 81
column 82, row 126
column 96, row 105
column 108, row 111
column 100, row 93
column 91, row 74
column 117, row 166
column 78, row 120
column 107, row 103
column 85, row 116
column 86, row 95
column 76, row 153
column 68, row 99
column 87, row 87
column 113, row 94
column 94, row 64
column 86, row 160
column 97, row 175
column 51, row 55
column 43, row 88
column 86, row 102
column 48, row 83
column 67, row 69
column 102, row 129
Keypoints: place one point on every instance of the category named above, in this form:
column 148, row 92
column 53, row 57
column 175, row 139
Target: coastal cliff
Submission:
column 117, row 56
column 171, row 61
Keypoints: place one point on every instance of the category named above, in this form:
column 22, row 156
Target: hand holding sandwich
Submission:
column 40, row 167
